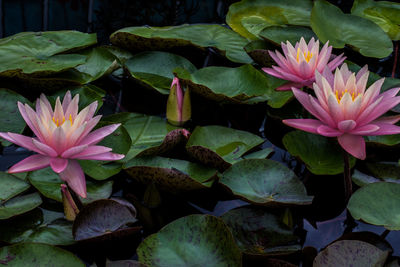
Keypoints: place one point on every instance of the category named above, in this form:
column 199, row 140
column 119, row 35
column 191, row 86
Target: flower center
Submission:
column 339, row 95
column 307, row 55
column 58, row 123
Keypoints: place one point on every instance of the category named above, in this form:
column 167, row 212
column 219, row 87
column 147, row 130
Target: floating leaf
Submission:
column 163, row 38
column 261, row 154
column 378, row 204
column 155, row 68
column 350, row 253
column 279, row 34
column 10, row 186
column 330, row 23
column 362, row 179
column 258, row 232
column 258, row 51
column 173, row 175
column 320, row 154
column 38, row 255
column 19, row 205
column 249, row 17
column 194, row 240
column 386, row 171
column 265, row 182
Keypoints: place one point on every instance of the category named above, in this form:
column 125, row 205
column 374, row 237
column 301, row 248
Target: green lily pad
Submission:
column 386, row 171
column 258, row 51
column 378, row 204
column 350, row 253
column 174, row 175
column 265, row 182
column 384, row 13
column 194, row 240
column 10, row 186
column 249, row 17
column 49, row 185
column 320, row 154
column 19, row 205
column 155, row 68
column 219, row 146
column 279, row 34
column 362, row 179
column 223, row 39
column 37, row 255
column 261, row 154
column 39, row 225
column 330, row 23
column 10, row 119
column 244, row 84
column 386, row 140
column 258, row 232
column 43, row 53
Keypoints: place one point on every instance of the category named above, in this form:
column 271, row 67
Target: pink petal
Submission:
column 58, row 164
column 386, row 129
column 91, row 151
column 58, row 111
column 328, row 131
column 46, row 102
column 323, row 115
column 372, row 92
column 388, row 119
column 368, row 129
column 274, row 73
column 304, row 99
column 59, row 140
column 73, row 150
column 75, row 178
column 346, row 125
column 353, row 144
column 104, row 156
column 288, row 86
column 44, row 149
column 89, row 126
column 20, row 140
column 66, row 100
column 336, row 62
column 25, row 116
column 31, row 163
column 289, row 75
column 334, row 109
column 385, row 105
column 308, row 125
column 72, row 108
column 98, row 135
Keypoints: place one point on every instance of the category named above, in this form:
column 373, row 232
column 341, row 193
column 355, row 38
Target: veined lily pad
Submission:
column 163, row 38
column 194, row 240
column 40, row 53
column 249, row 17
column 219, row 146
column 330, row 23
column 19, row 205
column 378, row 204
column 265, row 182
column 279, row 34
column 350, row 253
column 10, row 186
column 37, row 255
column 155, row 68
column 320, row 154
column 244, row 84
column 258, row 232
column 170, row 174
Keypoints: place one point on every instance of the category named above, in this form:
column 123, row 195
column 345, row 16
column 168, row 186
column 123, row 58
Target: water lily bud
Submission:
column 70, row 208
column 179, row 108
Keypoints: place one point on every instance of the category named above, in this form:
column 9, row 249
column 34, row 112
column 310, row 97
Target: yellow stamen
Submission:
column 70, row 118
column 307, row 55
column 57, row 121
column 340, row 95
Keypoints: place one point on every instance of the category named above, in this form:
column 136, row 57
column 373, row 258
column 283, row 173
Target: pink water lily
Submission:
column 346, row 110
column 61, row 137
column 300, row 63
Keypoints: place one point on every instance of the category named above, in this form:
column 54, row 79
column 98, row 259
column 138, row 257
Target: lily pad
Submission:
column 350, row 253
column 249, row 17
column 378, row 204
column 19, row 205
column 223, row 39
column 219, row 146
column 155, row 68
column 194, row 240
column 244, row 84
column 386, row 140
column 321, row 155
column 43, row 53
column 279, row 34
column 174, row 175
column 265, row 182
column 37, row 255
column 261, row 154
column 10, row 186
column 330, row 23
column 362, row 179
column 258, row 232
column 258, row 51
column 386, row 171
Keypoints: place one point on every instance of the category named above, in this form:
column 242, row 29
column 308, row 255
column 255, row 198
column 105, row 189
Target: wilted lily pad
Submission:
column 350, row 253
column 265, row 182
column 10, row 186
column 330, row 23
column 320, row 154
column 37, row 255
column 378, row 204
column 278, row 34
column 174, row 175
column 163, row 38
column 259, row 232
column 19, row 205
column 194, row 240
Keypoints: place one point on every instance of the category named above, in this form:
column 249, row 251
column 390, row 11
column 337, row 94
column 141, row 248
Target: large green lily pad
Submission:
column 220, row 146
column 279, row 34
column 330, row 23
column 37, row 255
column 42, row 53
column 350, row 253
column 155, row 68
column 249, row 17
column 19, row 205
column 378, row 204
column 174, row 175
column 10, row 186
column 199, row 35
column 259, row 232
column 320, row 154
column 194, row 240
column 265, row 182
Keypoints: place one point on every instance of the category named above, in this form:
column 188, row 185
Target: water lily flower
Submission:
column 300, row 63
column 346, row 110
column 178, row 105
column 61, row 137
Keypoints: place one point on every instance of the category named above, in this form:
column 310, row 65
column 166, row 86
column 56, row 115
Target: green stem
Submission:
column 348, row 187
